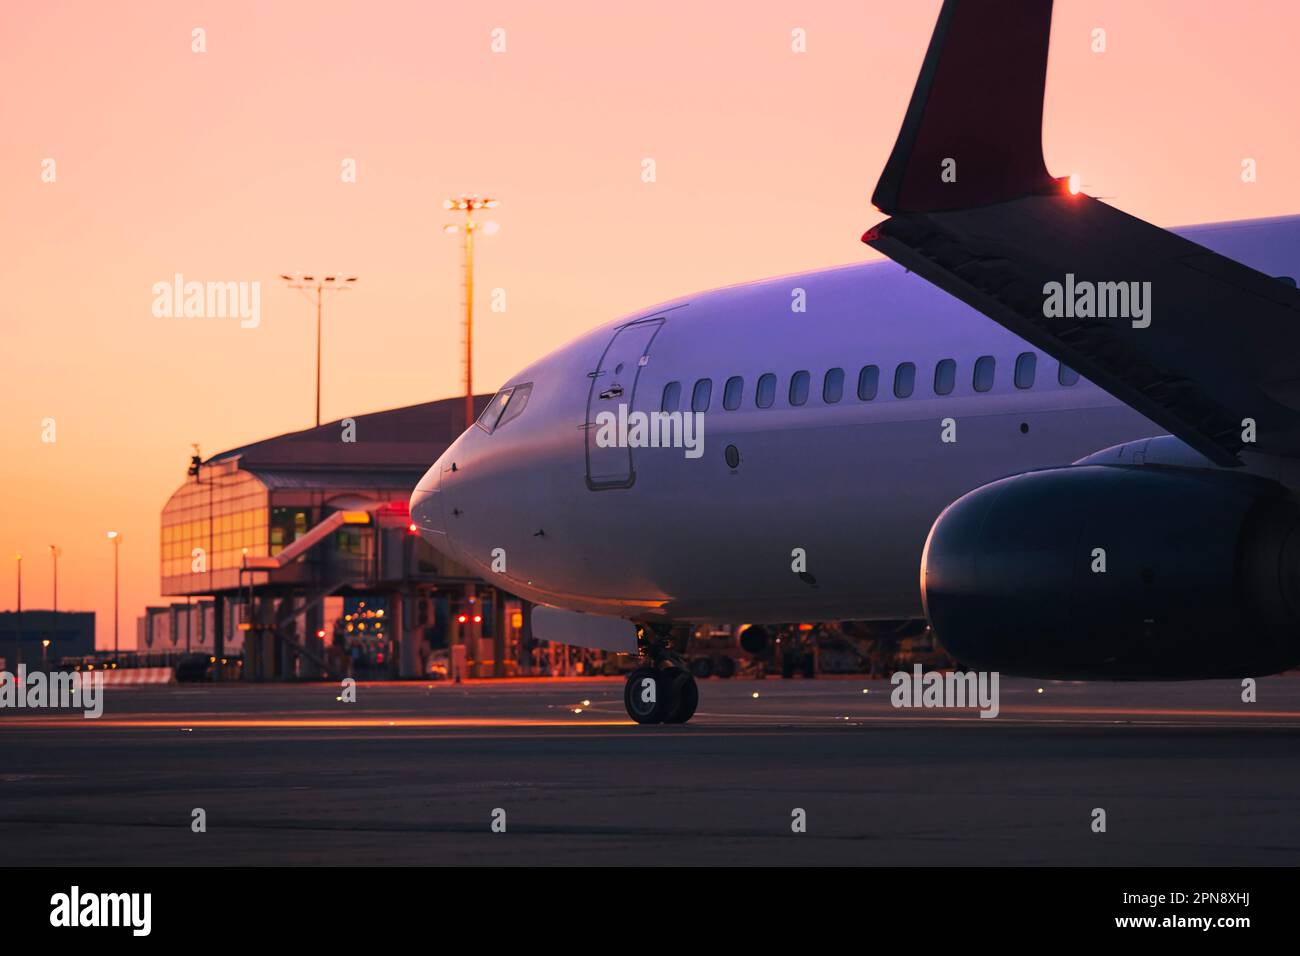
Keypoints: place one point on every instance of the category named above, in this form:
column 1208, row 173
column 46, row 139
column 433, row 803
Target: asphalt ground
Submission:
column 417, row 773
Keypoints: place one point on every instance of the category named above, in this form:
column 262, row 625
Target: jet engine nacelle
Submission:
column 1101, row 572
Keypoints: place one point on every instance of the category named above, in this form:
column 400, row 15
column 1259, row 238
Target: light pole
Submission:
column 117, row 541
column 45, row 646
column 54, row 553
column 18, row 629
column 320, row 285
column 469, row 205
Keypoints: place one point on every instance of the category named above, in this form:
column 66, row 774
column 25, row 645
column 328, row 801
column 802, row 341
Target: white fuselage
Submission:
column 852, row 485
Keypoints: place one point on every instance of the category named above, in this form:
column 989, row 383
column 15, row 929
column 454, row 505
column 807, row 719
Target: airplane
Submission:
column 1097, row 488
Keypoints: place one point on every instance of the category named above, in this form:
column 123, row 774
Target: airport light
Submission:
column 45, row 646
column 116, row 538
column 469, row 205
column 18, row 627
column 314, row 287
column 54, row 553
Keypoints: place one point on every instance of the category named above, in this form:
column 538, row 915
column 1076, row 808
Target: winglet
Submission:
column 978, row 102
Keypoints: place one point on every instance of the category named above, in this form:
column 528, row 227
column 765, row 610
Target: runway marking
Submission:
column 325, row 723
column 607, row 714
column 1151, row 711
column 949, row 714
column 711, row 723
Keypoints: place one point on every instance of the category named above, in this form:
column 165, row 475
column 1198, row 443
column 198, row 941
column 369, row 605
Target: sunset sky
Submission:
column 226, row 166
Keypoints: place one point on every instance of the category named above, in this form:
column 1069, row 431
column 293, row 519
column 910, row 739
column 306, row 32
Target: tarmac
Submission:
column 549, row 771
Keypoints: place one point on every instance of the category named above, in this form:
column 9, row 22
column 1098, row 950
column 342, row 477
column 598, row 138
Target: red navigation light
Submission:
column 412, row 528
column 462, row 619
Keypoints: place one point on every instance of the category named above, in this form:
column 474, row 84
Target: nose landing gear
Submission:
column 666, row 695
column 660, row 691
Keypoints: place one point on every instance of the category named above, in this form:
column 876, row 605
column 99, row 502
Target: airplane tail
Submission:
column 972, row 134
column 973, row 210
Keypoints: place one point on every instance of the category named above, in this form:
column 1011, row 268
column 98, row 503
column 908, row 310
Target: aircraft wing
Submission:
column 973, row 210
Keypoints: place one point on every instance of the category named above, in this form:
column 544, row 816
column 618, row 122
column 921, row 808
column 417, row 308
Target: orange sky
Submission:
column 226, row 165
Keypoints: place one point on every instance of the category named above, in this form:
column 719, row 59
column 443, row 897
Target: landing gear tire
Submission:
column 679, row 694
column 661, row 696
column 644, row 697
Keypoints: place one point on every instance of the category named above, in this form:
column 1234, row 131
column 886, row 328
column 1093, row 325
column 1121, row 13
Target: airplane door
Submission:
column 613, row 384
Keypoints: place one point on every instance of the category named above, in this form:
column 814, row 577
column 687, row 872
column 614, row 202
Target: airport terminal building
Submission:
column 36, row 638
column 295, row 556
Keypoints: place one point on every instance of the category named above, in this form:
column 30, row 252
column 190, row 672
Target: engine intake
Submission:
column 1201, row 574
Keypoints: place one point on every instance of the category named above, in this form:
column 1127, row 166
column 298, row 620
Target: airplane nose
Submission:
column 426, row 508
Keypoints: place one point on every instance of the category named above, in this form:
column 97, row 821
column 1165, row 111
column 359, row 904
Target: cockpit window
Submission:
column 518, row 401
column 492, row 414
column 507, row 404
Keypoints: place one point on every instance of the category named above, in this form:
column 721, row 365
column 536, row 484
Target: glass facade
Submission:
column 228, row 511
column 219, row 515
column 288, row 525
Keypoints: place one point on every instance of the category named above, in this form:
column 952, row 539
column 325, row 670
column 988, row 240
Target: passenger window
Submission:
column 833, row 386
column 1066, row 375
column 672, row 397
column 904, row 380
column 985, row 366
column 868, row 382
column 731, row 393
column 701, row 394
column 799, row 388
column 765, row 394
column 945, row 377
column 518, row 401
column 1026, row 362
